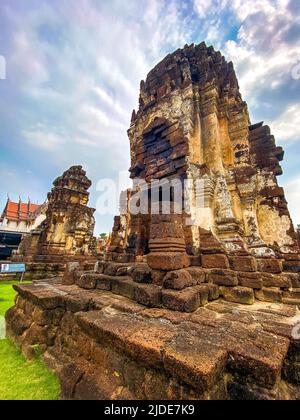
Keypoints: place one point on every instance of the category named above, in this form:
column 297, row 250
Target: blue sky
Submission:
column 74, row 69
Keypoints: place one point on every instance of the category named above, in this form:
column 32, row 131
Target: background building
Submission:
column 17, row 219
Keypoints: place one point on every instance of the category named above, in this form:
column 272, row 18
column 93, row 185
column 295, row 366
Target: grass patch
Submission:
column 7, row 296
column 21, row 379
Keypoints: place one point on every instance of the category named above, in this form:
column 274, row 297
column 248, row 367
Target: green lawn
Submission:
column 19, row 378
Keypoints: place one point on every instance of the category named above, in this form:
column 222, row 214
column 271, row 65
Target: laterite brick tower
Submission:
column 193, row 124
column 67, row 232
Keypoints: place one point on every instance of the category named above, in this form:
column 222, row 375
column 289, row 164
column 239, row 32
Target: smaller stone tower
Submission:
column 67, row 232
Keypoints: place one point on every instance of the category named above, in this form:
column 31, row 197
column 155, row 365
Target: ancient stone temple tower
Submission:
column 67, row 231
column 193, row 124
column 69, row 226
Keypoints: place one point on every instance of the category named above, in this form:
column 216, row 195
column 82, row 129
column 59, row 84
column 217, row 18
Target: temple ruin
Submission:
column 66, row 234
column 196, row 302
column 193, row 125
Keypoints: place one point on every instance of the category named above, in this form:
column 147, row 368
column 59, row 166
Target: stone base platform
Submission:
column 185, row 290
column 50, row 266
column 105, row 346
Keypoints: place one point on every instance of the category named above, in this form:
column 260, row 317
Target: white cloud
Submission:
column 246, row 8
column 83, row 85
column 286, row 127
column 113, row 104
column 28, row 60
column 43, row 140
column 202, row 7
column 292, row 191
column 263, row 55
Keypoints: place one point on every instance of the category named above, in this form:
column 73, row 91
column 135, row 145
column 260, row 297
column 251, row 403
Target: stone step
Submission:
column 289, row 301
column 144, row 294
column 292, row 294
column 188, row 359
column 197, row 354
column 190, row 299
column 179, row 280
column 269, row 295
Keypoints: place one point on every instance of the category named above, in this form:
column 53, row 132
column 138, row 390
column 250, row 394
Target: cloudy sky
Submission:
column 73, row 70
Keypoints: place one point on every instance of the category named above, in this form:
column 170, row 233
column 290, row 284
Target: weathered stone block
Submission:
column 195, row 260
column 69, row 377
column 37, row 334
column 243, row 295
column 198, row 274
column 141, row 274
column 148, row 295
column 69, row 274
column 197, row 363
column 111, row 269
column 292, row 294
column 178, row 280
column 223, row 277
column 157, row 277
column 292, row 266
column 205, row 293
column 187, row 300
column 270, row 266
column 57, row 315
column 252, row 280
column 269, row 295
column 87, row 281
column 104, row 282
column 99, row 267
column 294, row 278
column 17, row 321
column 247, row 264
column 42, row 317
column 281, row 281
column 147, row 344
column 167, row 261
column 213, row 292
column 215, row 261
column 122, row 271
column 124, row 287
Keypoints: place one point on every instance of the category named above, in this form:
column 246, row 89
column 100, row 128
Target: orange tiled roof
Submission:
column 19, row 212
